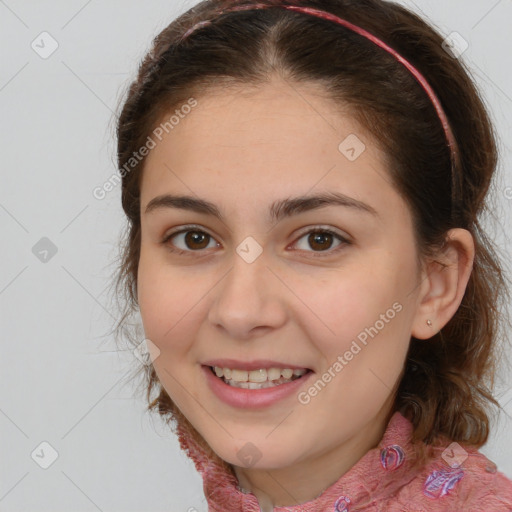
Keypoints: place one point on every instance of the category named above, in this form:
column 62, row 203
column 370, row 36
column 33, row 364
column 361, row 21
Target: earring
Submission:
column 429, row 323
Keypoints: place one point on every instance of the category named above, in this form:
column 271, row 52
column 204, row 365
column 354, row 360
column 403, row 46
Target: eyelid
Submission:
column 324, row 228
column 185, row 227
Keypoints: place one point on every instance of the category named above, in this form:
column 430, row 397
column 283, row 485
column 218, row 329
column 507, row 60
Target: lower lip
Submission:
column 252, row 398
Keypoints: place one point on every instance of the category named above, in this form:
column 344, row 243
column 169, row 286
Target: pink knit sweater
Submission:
column 456, row 478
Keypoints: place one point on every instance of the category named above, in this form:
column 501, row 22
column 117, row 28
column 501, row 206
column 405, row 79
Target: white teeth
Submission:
column 252, row 385
column 259, row 376
column 287, row 373
column 273, row 373
column 240, row 375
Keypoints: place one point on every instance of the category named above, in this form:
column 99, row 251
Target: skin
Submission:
column 242, row 150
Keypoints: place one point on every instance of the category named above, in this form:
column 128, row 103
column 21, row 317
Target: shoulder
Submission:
column 483, row 486
column 457, row 478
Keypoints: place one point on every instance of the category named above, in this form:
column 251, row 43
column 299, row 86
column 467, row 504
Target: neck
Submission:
column 309, row 477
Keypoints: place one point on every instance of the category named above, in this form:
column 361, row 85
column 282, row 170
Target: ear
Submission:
column 443, row 284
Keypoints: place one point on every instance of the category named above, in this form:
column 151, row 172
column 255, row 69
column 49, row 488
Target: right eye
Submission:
column 191, row 239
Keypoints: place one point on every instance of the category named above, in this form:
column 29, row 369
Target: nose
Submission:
column 250, row 299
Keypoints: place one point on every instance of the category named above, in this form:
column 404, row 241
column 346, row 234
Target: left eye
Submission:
column 320, row 239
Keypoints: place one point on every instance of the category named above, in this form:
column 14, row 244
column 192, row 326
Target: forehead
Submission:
column 262, row 143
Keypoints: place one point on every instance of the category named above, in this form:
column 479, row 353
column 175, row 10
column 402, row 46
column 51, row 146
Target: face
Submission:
column 326, row 286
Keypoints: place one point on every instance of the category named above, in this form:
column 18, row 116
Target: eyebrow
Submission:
column 277, row 211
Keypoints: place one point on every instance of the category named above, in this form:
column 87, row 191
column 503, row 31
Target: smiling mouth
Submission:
column 258, row 379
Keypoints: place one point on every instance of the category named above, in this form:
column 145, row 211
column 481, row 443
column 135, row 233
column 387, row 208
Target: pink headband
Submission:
column 361, row 31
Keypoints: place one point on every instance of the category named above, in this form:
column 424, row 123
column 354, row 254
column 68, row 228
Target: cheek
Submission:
column 170, row 307
column 364, row 305
column 345, row 300
column 169, row 303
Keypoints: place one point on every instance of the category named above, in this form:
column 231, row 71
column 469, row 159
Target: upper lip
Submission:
column 252, row 365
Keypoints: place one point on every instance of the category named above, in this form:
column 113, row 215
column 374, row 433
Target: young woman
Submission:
column 304, row 183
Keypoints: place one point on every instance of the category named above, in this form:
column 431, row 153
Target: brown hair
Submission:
column 446, row 385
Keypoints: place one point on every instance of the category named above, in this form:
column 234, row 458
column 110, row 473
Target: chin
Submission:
column 249, row 455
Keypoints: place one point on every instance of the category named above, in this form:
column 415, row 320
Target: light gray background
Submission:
column 62, row 381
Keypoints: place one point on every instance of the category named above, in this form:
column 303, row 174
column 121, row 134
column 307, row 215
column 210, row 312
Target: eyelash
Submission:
column 316, row 254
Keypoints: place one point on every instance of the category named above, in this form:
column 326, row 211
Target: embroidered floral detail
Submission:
column 392, row 457
column 491, row 467
column 441, row 481
column 341, row 504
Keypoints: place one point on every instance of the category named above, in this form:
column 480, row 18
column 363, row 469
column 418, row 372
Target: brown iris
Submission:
column 317, row 240
column 197, row 237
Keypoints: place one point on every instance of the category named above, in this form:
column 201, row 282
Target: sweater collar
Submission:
column 378, row 474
